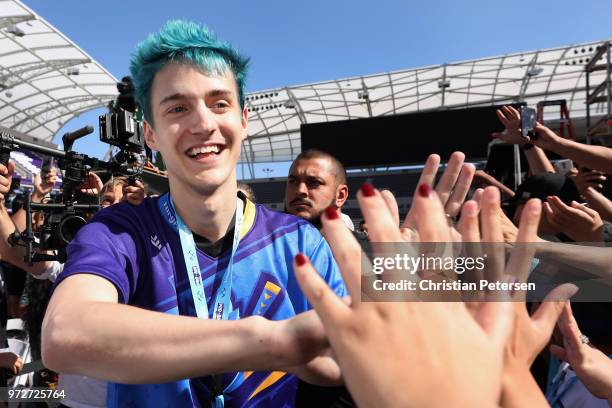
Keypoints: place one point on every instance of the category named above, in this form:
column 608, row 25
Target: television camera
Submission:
column 65, row 214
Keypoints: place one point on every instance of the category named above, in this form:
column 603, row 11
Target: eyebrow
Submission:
column 178, row 96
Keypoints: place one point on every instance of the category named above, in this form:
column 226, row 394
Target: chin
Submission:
column 305, row 215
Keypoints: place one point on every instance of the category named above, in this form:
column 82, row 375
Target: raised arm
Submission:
column 593, row 157
column 511, row 119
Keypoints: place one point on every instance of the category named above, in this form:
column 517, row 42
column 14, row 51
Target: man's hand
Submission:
column 580, row 223
column 11, row 361
column 134, row 194
column 6, row 176
column 593, row 368
column 92, row 185
column 587, row 178
column 599, row 203
column 43, row 184
column 546, row 138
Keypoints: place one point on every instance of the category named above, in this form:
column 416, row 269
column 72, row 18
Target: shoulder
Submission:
column 277, row 222
column 121, row 219
column 147, row 209
column 277, row 218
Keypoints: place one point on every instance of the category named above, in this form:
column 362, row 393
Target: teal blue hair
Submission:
column 184, row 42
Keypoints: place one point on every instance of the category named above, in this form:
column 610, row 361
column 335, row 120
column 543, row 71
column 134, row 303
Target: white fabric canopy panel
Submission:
column 275, row 115
column 45, row 79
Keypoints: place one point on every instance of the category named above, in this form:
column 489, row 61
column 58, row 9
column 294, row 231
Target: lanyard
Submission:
column 222, row 304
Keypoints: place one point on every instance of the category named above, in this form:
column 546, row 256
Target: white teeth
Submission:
column 204, row 149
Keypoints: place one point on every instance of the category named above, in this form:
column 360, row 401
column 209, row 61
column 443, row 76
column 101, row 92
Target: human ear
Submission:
column 149, row 135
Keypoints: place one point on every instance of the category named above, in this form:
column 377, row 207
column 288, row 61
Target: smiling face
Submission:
column 198, row 127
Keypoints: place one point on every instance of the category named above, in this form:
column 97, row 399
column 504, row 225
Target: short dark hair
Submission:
column 338, row 167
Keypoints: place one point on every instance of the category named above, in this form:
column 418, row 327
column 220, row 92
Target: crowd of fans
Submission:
column 201, row 297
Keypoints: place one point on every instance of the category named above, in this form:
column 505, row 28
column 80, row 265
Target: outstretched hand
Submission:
column 451, row 357
column 510, row 117
column 451, row 190
column 580, row 223
column 593, row 368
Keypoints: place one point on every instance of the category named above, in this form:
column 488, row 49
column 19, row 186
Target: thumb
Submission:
column 11, row 168
column 549, row 311
column 558, row 352
column 585, row 209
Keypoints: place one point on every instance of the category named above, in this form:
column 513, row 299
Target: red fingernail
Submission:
column 331, row 213
column 424, row 190
column 368, row 190
column 300, row 259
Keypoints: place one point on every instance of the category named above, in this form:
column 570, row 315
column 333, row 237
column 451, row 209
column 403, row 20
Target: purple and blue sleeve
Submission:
column 104, row 249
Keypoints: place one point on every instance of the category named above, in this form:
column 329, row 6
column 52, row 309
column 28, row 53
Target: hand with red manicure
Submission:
column 451, row 190
column 439, row 365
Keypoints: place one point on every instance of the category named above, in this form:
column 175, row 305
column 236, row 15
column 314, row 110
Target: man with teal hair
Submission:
column 190, row 299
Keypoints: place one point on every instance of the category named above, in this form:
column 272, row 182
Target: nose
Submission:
column 302, row 190
column 202, row 120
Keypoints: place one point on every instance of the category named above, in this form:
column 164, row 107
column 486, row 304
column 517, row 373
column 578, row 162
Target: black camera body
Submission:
column 61, row 227
column 121, row 129
column 67, row 213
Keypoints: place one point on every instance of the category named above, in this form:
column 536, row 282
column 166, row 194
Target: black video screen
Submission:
column 407, row 138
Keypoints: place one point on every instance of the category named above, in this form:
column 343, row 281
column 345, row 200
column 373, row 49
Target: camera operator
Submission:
column 82, row 392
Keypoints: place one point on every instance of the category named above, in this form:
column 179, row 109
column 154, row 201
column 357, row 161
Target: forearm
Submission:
column 15, row 254
column 593, row 157
column 592, row 259
column 519, row 388
column 538, row 162
column 19, row 218
column 126, row 344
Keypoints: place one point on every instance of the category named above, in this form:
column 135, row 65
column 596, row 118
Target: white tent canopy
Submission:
column 45, row 79
column 531, row 77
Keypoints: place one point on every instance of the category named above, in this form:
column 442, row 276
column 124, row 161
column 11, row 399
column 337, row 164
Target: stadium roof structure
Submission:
column 275, row 115
column 45, row 79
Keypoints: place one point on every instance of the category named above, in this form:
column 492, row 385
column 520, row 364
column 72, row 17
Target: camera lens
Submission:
column 69, row 227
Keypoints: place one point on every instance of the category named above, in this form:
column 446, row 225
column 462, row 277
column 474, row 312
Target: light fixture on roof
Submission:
column 8, row 94
column 15, row 31
column 72, row 71
column 534, row 71
column 289, row 105
column 444, row 84
column 363, row 94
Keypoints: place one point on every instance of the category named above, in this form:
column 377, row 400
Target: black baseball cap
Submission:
column 544, row 185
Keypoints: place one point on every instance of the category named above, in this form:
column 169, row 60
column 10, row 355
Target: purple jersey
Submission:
column 136, row 250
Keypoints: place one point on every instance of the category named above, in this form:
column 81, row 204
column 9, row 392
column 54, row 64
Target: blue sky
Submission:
column 292, row 42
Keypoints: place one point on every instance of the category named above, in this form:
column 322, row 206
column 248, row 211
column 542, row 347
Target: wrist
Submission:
column 263, row 333
column 527, row 146
column 37, row 197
